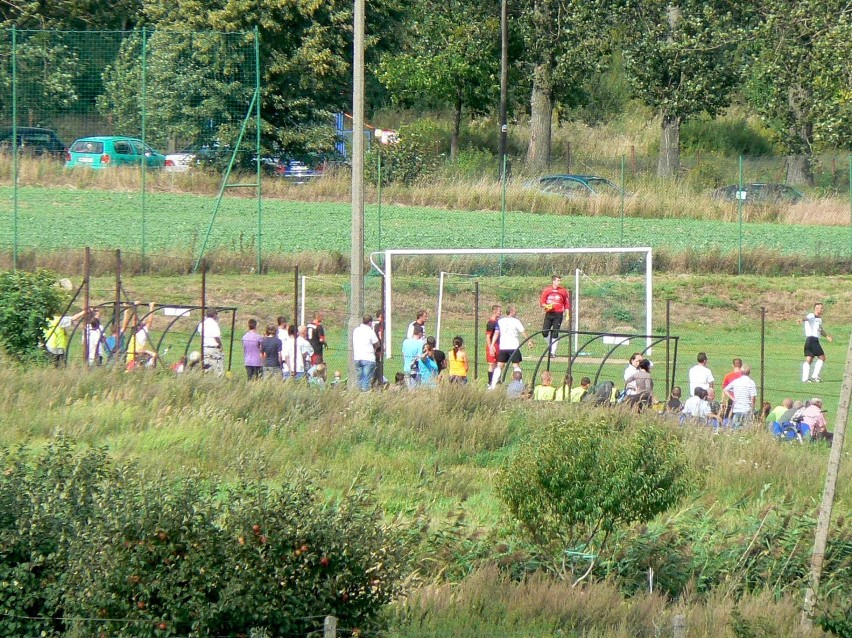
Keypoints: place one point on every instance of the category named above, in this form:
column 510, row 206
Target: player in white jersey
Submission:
column 813, row 331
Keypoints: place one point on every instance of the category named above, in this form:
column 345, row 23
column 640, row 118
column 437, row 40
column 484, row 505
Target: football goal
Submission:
column 619, row 302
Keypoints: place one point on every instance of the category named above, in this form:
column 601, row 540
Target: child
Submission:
column 458, row 365
column 545, row 390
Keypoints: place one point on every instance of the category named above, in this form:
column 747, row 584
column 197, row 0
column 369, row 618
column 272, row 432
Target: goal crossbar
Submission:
column 386, row 270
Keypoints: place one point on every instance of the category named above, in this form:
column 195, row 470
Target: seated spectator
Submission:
column 779, row 411
column 579, row 392
column 696, row 406
column 545, row 390
column 787, row 417
column 640, row 387
column 674, row 405
column 563, row 393
column 515, row 388
column 814, row 417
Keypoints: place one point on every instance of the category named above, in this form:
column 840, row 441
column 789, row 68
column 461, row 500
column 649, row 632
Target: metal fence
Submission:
column 167, row 91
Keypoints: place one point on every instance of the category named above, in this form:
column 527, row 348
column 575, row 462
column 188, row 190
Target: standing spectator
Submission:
column 316, row 337
column 742, row 393
column 56, row 336
column 113, row 344
column 509, row 332
column 412, row 348
column 271, row 353
column 458, row 365
column 287, row 337
column 297, row 355
column 251, row 351
column 726, row 381
column 211, row 346
column 95, row 340
column 364, row 352
column 427, row 367
column 439, row 355
column 813, row 331
column 422, row 315
column 545, row 391
column 491, row 339
column 555, row 301
column 378, row 325
column 700, row 375
column 642, row 385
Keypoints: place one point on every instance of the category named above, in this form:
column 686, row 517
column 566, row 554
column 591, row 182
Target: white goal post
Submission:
column 386, row 269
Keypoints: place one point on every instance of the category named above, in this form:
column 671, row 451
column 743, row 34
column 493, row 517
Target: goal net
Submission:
column 611, row 291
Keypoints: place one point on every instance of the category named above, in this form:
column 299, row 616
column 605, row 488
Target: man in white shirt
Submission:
column 813, row 331
column 422, row 315
column 508, row 335
column 364, row 342
column 302, row 353
column 742, row 392
column 700, row 375
column 211, row 343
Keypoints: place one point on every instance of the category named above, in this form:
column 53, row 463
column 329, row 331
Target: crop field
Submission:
column 61, row 218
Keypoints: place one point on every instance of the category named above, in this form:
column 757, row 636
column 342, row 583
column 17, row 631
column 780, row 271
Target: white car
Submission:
column 179, row 162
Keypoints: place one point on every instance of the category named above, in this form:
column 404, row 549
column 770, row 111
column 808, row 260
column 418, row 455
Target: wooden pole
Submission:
column 824, row 520
column 476, row 331
column 87, row 256
column 329, row 627
column 116, row 313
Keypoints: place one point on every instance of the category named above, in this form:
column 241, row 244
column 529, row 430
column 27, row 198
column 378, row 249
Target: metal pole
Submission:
column 504, row 85
column 87, row 255
column 117, row 308
column 295, row 320
column 379, row 197
column 356, row 260
column 440, row 306
column 476, row 331
column 740, row 194
column 302, row 314
column 14, row 148
column 825, row 510
column 668, row 347
column 257, row 152
column 622, row 200
column 144, row 144
column 576, row 308
column 649, row 299
column 762, row 354
column 503, row 213
column 203, row 307
column 233, row 332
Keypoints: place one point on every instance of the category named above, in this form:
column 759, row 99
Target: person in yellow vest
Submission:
column 567, row 392
column 56, row 336
column 138, row 350
column 545, row 390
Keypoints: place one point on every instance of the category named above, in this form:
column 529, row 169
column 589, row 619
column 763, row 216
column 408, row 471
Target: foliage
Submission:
column 799, row 76
column 89, row 545
column 582, row 478
column 27, row 301
column 415, row 156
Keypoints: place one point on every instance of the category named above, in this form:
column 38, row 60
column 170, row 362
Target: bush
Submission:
column 27, row 300
column 91, row 548
column 583, row 477
column 416, row 155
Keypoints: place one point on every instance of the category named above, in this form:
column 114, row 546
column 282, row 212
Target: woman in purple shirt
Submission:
column 251, row 351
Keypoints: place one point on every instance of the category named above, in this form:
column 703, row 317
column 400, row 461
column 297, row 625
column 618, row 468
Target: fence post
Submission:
column 476, row 331
column 87, row 254
column 379, row 197
column 329, row 627
column 14, row 148
column 679, row 626
column 257, row 151
column 621, row 241
column 740, row 213
column 144, row 142
column 762, row 354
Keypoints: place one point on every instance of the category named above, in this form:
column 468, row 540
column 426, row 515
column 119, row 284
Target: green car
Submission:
column 112, row 151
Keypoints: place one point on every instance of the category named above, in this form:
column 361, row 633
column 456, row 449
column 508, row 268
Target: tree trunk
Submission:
column 668, row 163
column 541, row 115
column 454, row 140
column 798, row 163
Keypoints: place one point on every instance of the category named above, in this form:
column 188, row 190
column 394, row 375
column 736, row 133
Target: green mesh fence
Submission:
column 141, row 109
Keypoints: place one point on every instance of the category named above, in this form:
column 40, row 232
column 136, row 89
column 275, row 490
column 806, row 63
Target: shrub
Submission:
column 585, row 476
column 416, row 155
column 93, row 548
column 27, row 300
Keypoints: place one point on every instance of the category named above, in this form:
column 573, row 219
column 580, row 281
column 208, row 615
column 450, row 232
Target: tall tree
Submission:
column 75, row 15
column 801, row 74
column 681, row 60
column 449, row 58
column 564, row 43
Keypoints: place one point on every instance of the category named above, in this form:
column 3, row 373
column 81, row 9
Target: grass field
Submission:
column 63, row 218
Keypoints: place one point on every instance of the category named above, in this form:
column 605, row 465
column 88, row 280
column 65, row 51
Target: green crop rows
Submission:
column 53, row 218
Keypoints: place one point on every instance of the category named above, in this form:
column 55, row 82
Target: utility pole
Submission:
column 504, row 85
column 356, row 260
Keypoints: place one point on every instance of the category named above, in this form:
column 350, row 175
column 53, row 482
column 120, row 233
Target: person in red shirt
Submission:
column 555, row 301
column 490, row 340
column 736, row 373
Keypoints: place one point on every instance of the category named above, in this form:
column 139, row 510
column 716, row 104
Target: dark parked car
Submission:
column 34, row 141
column 577, row 185
column 759, row 194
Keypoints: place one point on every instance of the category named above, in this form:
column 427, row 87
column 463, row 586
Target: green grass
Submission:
column 62, row 218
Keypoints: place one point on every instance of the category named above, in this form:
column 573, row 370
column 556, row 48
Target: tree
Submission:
column 680, row 56
column 582, row 478
column 27, row 301
column 71, row 15
column 800, row 77
column 564, row 42
column 450, row 58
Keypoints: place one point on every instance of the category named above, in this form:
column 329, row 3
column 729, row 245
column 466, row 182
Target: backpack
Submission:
column 601, row 394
